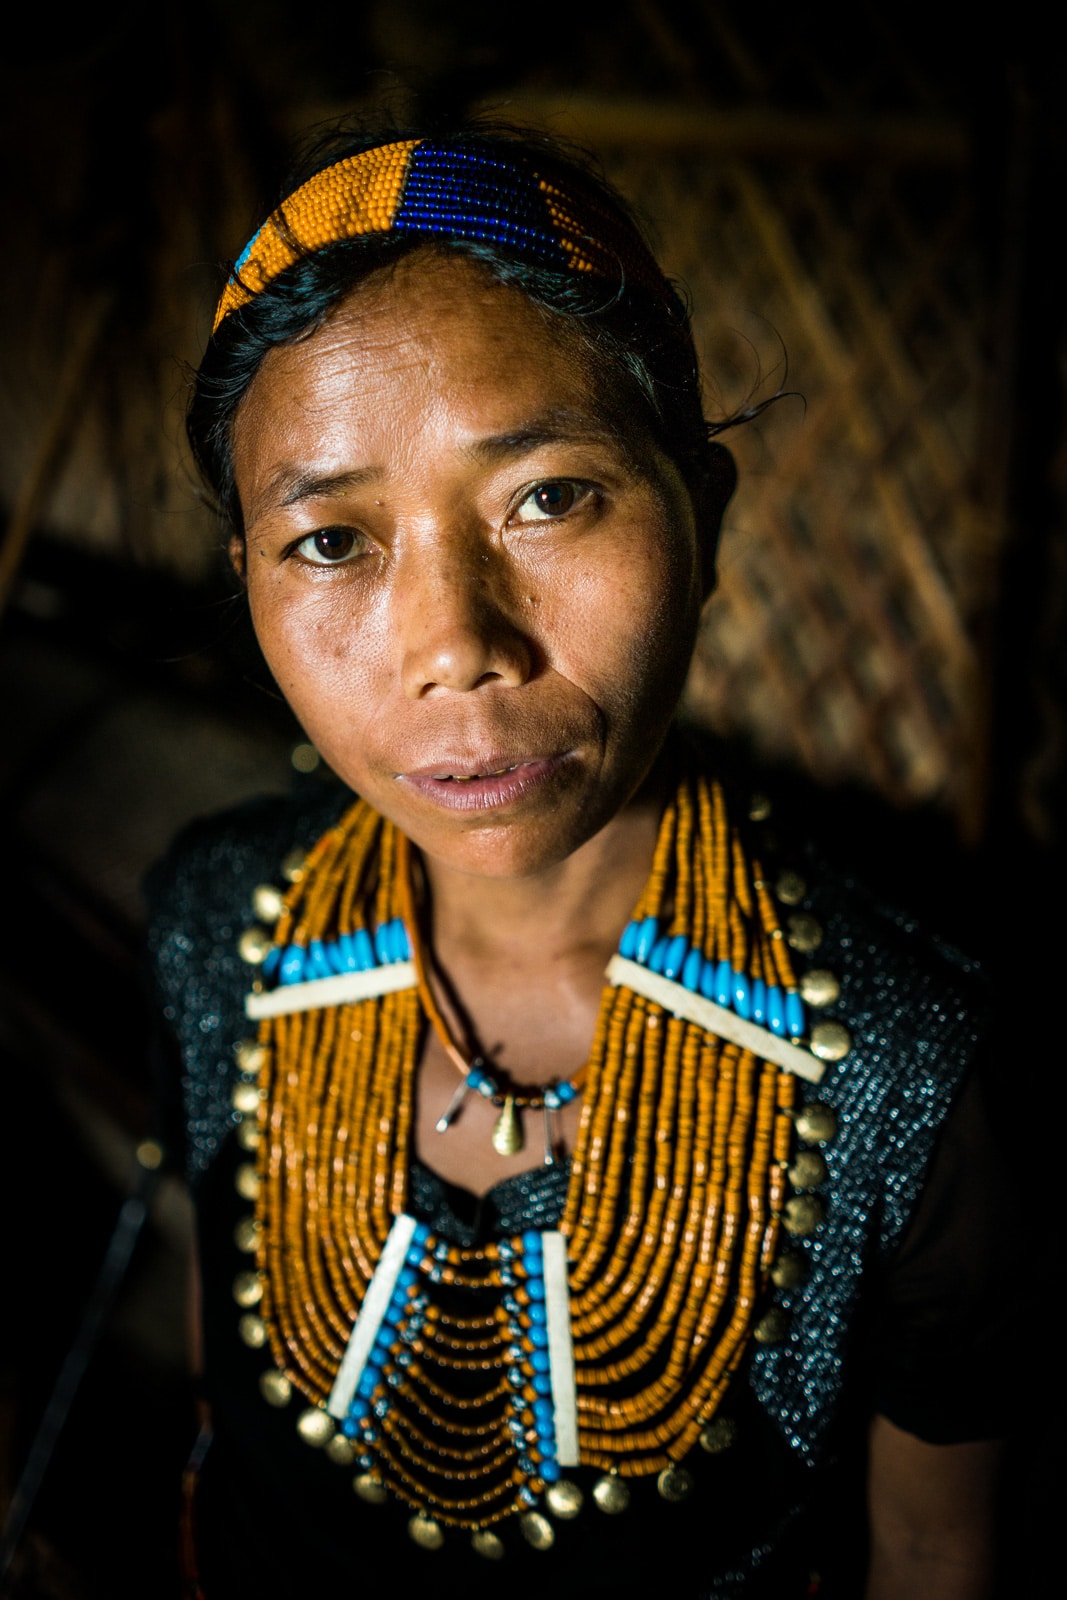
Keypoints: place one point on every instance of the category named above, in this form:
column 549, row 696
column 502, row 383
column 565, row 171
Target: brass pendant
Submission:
column 675, row 1483
column 537, row 1530
column 426, row 1533
column 611, row 1494
column 564, row 1499
column 485, row 1542
column 507, row 1133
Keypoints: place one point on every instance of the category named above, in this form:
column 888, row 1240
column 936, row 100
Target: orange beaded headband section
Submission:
column 460, row 190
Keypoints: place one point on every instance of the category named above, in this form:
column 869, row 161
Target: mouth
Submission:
column 481, row 785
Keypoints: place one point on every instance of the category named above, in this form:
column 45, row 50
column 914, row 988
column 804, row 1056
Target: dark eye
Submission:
column 546, row 500
column 329, row 546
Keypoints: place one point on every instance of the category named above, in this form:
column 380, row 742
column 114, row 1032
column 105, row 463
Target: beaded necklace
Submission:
column 465, row 1381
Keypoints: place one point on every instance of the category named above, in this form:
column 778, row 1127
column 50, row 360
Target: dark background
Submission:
column 141, row 146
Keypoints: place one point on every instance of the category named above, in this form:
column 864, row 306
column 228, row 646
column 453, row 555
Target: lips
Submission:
column 481, row 784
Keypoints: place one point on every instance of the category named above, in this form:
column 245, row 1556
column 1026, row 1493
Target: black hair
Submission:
column 642, row 336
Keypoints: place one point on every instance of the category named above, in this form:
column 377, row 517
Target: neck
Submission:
column 581, row 902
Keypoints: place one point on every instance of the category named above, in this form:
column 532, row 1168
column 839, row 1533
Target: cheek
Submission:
column 323, row 660
column 631, row 621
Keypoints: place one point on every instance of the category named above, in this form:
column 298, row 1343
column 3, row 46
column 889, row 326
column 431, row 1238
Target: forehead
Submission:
column 432, row 336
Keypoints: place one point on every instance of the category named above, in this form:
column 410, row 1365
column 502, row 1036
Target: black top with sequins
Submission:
column 895, row 1314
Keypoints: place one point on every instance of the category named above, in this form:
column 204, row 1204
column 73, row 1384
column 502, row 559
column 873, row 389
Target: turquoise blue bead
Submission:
column 707, row 980
column 742, row 995
column 566, row 1092
column 403, row 943
column 646, row 939
column 538, row 1336
column 539, row 1362
column 794, row 1014
column 776, row 1010
column 542, row 1383
column 381, row 944
column 364, row 950
column 674, row 959
column 550, row 1470
column 272, row 963
column 628, row 942
column 659, row 955
column 291, row 969
column 316, row 964
column 724, row 983
column 544, row 1410
column 759, row 1001
column 692, row 971
column 347, row 951
column 532, row 1242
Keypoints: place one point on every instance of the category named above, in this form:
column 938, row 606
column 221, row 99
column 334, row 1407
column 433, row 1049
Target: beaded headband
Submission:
column 462, row 191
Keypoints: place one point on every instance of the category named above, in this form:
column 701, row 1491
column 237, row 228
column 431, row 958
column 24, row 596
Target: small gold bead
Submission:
column 246, row 1181
column 808, row 1170
column 246, row 1234
column 315, row 1426
column 254, row 945
column 816, row 1123
column 564, row 1499
column 772, row 1327
column 719, row 1435
column 268, row 903
column 790, row 888
column 803, row 932
column 368, row 1487
column 830, row 1041
column 537, row 1530
column 248, row 1288
column 253, row 1331
column 484, row 1542
column 674, row 1483
column 789, row 1271
column 246, row 1098
column 611, row 1494
column 293, row 866
column 248, row 1135
column 251, row 1055
column 802, row 1214
column 819, row 987
column 426, row 1533
column 275, row 1387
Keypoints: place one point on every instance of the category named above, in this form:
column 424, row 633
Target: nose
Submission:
column 459, row 629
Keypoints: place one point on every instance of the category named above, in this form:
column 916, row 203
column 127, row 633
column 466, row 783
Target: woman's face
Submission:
column 474, row 579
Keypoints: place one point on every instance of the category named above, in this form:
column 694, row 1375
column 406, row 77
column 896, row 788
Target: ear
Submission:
column 719, row 480
column 237, row 554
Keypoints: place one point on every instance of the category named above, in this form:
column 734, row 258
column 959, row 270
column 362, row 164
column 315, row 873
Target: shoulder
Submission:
column 200, row 902
column 214, row 857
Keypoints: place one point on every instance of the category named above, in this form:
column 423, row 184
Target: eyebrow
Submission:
column 291, row 485
column 560, row 426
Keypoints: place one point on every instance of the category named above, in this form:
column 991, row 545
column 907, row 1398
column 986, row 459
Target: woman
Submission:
column 564, row 1276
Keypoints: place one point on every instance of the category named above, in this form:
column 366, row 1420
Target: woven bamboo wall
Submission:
column 858, row 560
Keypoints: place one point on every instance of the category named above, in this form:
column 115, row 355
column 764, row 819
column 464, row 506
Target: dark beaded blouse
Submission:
column 895, row 1313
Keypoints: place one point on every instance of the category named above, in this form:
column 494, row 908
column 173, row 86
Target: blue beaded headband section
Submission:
column 458, row 190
